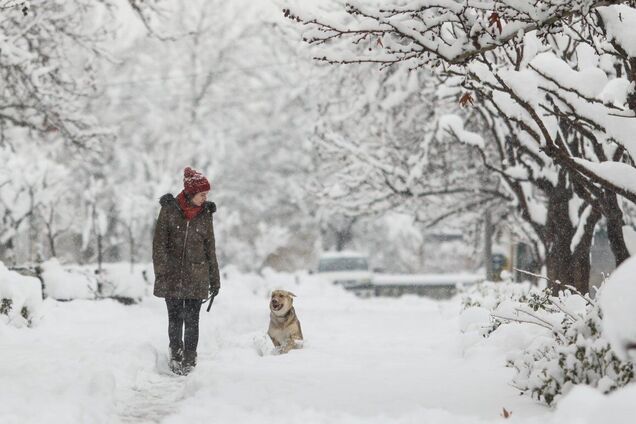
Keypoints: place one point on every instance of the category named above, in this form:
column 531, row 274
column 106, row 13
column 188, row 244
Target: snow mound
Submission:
column 585, row 405
column 20, row 297
column 618, row 303
column 474, row 318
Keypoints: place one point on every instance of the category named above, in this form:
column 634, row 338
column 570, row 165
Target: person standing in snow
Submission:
column 186, row 269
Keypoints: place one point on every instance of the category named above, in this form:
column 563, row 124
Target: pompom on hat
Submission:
column 194, row 182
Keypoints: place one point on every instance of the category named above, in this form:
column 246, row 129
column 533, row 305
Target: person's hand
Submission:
column 214, row 290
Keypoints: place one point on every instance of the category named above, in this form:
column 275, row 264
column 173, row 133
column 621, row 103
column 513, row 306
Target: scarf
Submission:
column 189, row 210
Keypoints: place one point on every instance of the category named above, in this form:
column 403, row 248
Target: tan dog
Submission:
column 284, row 327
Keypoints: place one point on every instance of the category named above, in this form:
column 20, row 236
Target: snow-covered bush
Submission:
column 573, row 349
column 120, row 282
column 488, row 296
column 66, row 284
column 115, row 281
column 577, row 353
column 20, row 298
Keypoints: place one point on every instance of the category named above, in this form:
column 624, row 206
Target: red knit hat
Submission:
column 194, row 182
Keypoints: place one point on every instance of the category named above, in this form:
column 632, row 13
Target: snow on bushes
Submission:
column 118, row 281
column 20, row 298
column 65, row 284
column 488, row 296
column 115, row 281
column 577, row 353
column 121, row 282
column 571, row 350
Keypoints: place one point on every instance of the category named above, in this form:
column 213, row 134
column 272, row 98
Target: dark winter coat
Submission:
column 183, row 252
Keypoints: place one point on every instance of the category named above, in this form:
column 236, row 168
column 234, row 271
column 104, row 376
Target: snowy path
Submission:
column 378, row 360
column 152, row 397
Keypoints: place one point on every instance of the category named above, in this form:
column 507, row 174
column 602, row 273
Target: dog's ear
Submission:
column 290, row 294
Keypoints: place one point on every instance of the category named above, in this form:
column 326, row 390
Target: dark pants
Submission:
column 180, row 312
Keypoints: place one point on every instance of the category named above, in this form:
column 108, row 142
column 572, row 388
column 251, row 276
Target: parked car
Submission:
column 347, row 268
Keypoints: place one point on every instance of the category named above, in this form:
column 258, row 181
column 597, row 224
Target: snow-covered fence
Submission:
column 437, row 286
column 20, row 297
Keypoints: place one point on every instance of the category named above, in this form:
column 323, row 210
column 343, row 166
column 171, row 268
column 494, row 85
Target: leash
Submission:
column 210, row 299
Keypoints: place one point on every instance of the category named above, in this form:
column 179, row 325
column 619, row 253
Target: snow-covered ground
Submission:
column 365, row 360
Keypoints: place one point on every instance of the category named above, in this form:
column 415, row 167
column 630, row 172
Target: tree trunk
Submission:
column 567, row 266
column 581, row 257
column 51, row 239
column 99, row 253
column 488, row 230
column 343, row 232
column 343, row 237
column 7, row 253
column 132, row 249
column 615, row 222
column 32, row 233
column 50, row 233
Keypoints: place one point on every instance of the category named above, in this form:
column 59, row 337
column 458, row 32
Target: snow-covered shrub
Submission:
column 115, row 281
column 573, row 350
column 119, row 282
column 577, row 352
column 67, row 284
column 489, row 296
column 20, row 298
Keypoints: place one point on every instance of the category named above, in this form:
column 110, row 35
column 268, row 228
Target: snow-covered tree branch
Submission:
column 551, row 80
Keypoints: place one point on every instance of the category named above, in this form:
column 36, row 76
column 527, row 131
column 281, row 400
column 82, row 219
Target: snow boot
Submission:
column 189, row 361
column 176, row 357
